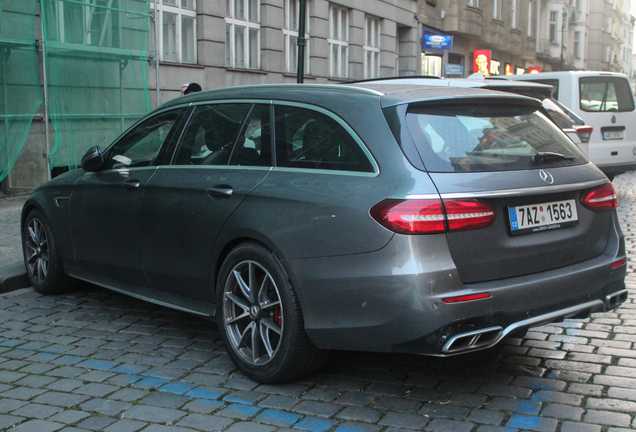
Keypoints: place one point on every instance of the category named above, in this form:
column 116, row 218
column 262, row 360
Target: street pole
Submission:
column 565, row 15
column 302, row 42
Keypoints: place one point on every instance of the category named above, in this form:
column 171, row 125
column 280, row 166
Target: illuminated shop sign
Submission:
column 481, row 62
column 534, row 69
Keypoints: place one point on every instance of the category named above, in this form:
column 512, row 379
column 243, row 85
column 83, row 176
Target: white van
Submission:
column 604, row 100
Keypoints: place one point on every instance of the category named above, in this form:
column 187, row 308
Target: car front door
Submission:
column 224, row 153
column 104, row 206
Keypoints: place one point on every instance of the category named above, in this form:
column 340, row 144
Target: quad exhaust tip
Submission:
column 490, row 336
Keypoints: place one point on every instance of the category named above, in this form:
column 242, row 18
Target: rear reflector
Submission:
column 619, row 263
column 600, row 198
column 466, row 298
column 430, row 216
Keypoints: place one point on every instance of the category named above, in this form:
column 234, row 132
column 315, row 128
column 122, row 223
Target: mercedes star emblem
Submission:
column 546, row 177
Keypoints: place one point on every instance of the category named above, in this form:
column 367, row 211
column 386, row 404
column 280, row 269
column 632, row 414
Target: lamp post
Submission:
column 565, row 16
column 302, row 42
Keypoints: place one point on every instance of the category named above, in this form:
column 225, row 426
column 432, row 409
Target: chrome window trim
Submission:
column 233, row 167
column 511, row 192
column 325, row 171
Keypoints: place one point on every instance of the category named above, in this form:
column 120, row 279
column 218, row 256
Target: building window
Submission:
column 242, row 34
column 554, row 16
column 578, row 6
column 531, row 19
column 577, row 40
column 473, row 3
column 514, row 14
column 497, row 9
column 177, row 30
column 372, row 48
column 339, row 42
column 291, row 36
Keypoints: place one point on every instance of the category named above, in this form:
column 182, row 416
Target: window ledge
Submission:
column 515, row 31
column 474, row 9
column 294, row 74
column 188, row 65
column 254, row 71
column 497, row 21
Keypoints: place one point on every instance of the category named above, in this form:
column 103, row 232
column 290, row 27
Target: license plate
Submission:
column 615, row 135
column 542, row 217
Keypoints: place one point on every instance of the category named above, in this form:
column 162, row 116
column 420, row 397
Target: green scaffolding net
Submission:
column 96, row 70
column 20, row 91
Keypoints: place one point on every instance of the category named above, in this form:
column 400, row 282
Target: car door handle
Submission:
column 221, row 191
column 131, row 185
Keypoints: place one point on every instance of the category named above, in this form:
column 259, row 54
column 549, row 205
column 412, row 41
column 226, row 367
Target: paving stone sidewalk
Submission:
column 94, row 360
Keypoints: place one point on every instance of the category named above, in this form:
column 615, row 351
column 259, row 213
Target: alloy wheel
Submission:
column 37, row 251
column 252, row 313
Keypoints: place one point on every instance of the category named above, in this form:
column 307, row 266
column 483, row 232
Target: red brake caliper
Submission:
column 278, row 317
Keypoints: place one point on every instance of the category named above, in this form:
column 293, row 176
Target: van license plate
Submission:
column 614, row 135
column 542, row 217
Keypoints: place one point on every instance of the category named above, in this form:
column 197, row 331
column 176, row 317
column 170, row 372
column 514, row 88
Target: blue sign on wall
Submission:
column 437, row 42
column 454, row 69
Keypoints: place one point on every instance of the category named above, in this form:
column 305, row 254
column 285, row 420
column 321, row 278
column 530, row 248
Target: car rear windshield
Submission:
column 605, row 93
column 482, row 137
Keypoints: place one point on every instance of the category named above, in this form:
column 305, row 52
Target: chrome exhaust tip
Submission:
column 476, row 339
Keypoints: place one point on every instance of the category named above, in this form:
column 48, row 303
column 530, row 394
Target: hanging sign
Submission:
column 437, row 42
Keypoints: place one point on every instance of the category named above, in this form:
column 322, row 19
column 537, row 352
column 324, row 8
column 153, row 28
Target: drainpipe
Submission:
column 302, row 42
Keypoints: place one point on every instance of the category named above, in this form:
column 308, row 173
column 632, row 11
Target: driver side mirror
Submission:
column 93, row 160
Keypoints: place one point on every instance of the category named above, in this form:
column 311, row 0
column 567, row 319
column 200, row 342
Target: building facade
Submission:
column 518, row 35
column 237, row 42
column 216, row 44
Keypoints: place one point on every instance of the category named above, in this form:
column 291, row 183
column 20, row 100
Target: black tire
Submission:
column 41, row 258
column 263, row 332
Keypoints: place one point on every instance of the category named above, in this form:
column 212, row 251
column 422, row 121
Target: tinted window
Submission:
column 210, row 134
column 486, row 138
column 605, row 93
column 309, row 139
column 553, row 82
column 142, row 144
column 557, row 115
column 254, row 144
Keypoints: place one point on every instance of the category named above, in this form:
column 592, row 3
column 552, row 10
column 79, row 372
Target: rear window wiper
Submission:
column 548, row 156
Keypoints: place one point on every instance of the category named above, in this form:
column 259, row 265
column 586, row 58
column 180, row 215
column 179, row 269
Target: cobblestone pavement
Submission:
column 95, row 360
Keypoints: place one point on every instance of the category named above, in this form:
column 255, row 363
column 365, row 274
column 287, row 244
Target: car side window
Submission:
column 310, row 139
column 210, row 134
column 254, row 144
column 141, row 145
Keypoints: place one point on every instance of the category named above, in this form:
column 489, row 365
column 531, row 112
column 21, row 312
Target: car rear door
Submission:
column 224, row 153
column 606, row 103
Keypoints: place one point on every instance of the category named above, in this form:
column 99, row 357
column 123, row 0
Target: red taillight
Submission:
column 466, row 215
column 619, row 263
column 465, row 298
column 601, row 198
column 430, row 216
column 584, row 132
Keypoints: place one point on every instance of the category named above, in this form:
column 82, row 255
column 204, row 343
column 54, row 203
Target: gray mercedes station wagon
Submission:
column 371, row 216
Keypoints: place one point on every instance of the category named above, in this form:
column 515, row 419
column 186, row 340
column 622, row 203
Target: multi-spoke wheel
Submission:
column 43, row 264
column 36, row 251
column 260, row 318
column 253, row 315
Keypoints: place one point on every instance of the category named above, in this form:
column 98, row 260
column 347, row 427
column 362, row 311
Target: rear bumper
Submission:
column 617, row 168
column 391, row 300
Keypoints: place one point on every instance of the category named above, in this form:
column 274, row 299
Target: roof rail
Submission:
column 394, row 78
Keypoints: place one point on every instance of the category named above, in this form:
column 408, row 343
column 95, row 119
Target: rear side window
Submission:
column 254, row 144
column 605, row 93
column 210, row 134
column 480, row 137
column 313, row 140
